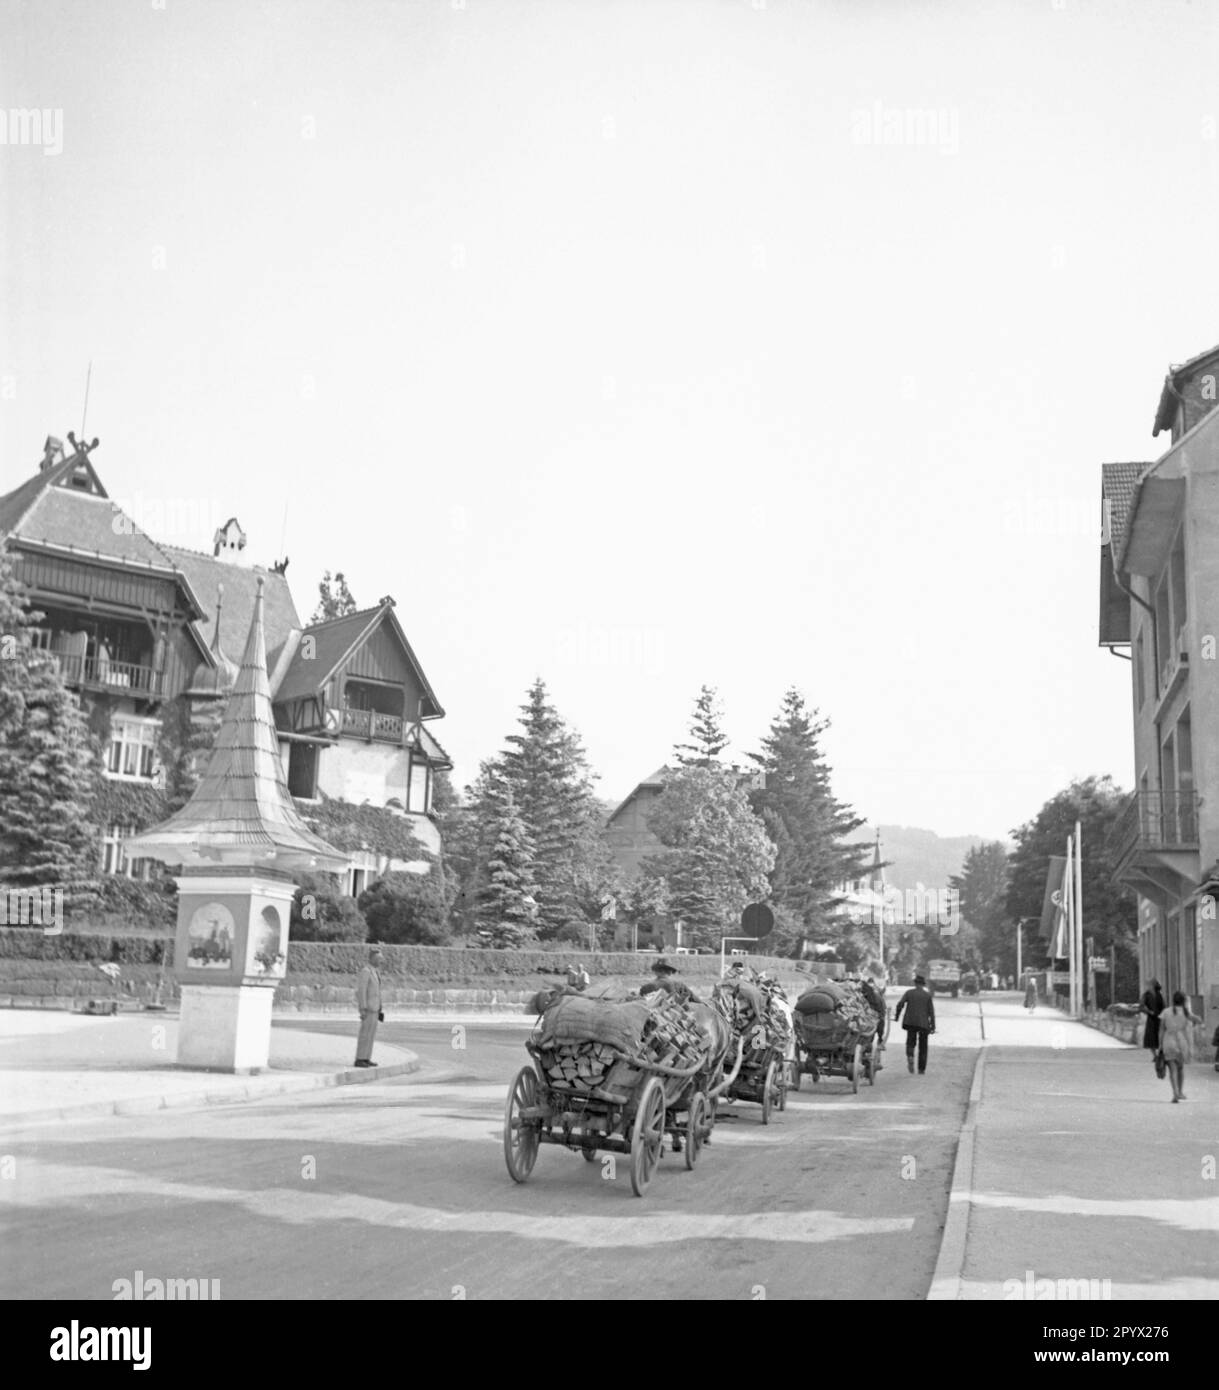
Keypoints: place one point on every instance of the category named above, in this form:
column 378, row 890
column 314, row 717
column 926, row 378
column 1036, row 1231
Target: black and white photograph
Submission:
column 609, row 669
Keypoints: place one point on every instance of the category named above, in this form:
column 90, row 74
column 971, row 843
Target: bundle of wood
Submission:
column 754, row 1012
column 668, row 1036
column 579, row 1066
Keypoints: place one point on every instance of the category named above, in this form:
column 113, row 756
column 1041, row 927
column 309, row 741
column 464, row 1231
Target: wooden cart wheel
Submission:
column 768, row 1092
column 648, row 1136
column 521, row 1136
column 856, row 1064
column 696, row 1120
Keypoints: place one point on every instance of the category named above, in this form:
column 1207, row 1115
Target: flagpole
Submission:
column 1079, row 904
column 1069, row 921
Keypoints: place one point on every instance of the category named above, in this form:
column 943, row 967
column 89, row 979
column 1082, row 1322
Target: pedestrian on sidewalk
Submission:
column 1177, row 1042
column 368, row 1001
column 919, row 1007
column 1030, row 994
column 1152, row 1004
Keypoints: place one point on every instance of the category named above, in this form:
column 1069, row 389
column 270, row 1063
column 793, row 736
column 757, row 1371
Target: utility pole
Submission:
column 1020, row 948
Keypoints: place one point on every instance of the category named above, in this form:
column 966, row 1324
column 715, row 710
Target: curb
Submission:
column 258, row 1088
column 946, row 1282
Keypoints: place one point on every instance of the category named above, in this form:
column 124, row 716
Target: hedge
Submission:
column 25, row 943
column 308, row 960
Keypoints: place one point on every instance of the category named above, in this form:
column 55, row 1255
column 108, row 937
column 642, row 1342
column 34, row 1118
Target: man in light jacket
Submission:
column 919, row 1007
column 368, row 1001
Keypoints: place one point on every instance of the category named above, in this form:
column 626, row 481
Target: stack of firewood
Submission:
column 670, row 1038
column 579, row 1066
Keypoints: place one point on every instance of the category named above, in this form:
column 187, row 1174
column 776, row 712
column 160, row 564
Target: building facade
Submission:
column 145, row 635
column 1159, row 606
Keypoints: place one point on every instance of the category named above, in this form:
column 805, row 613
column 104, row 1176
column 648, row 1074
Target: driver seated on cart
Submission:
column 663, row 979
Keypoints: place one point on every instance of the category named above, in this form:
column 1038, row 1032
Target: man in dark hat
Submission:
column 663, row 974
column 919, row 1007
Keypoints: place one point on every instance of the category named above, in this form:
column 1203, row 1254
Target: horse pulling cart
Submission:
column 592, row 1097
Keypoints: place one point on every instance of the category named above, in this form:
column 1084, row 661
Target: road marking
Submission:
column 651, row 1227
column 1199, row 1215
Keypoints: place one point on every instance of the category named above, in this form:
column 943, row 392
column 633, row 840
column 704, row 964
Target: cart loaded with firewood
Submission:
column 837, row 1033
column 759, row 1016
column 613, row 1075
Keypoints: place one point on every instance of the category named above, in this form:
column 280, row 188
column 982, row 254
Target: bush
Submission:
column 406, row 909
column 321, row 911
column 115, row 900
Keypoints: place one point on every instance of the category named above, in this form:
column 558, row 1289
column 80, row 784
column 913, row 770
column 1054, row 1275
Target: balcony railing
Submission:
column 108, row 675
column 1155, row 821
column 367, row 723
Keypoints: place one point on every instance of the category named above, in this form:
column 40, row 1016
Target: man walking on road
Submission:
column 919, row 1007
column 368, row 1001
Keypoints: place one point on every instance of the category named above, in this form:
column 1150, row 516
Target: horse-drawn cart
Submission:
column 592, row 1097
column 762, row 1078
column 829, row 1045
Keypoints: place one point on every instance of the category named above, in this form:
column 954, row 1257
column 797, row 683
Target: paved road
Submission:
column 399, row 1190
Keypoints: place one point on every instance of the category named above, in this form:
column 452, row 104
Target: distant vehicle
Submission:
column 944, row 975
column 970, row 983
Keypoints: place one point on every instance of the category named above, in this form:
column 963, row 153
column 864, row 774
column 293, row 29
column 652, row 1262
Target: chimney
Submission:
column 52, row 453
column 229, row 542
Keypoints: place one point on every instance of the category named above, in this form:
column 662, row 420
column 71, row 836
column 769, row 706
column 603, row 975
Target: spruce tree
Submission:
column 49, row 764
column 552, row 788
column 506, row 901
column 807, row 824
column 707, row 737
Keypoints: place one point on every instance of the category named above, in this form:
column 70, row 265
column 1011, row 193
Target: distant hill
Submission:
column 919, row 856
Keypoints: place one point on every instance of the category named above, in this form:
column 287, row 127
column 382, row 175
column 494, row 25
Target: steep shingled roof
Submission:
column 205, row 574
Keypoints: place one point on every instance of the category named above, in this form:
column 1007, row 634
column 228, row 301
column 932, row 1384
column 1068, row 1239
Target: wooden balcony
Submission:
column 112, row 676
column 369, row 724
column 1153, row 823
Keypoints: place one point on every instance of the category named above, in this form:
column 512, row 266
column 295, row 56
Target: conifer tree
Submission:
column 552, row 788
column 49, row 764
column 335, row 599
column 506, row 901
column 707, row 737
column 807, row 824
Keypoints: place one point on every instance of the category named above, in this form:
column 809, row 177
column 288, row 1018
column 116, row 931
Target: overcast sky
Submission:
column 640, row 345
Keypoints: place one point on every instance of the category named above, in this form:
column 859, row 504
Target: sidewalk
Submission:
column 1076, row 1176
column 56, row 1066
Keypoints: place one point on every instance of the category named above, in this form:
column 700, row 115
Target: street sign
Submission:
column 757, row 920
column 1060, row 977
column 1099, row 963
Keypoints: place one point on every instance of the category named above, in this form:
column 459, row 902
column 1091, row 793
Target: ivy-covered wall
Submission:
column 373, row 828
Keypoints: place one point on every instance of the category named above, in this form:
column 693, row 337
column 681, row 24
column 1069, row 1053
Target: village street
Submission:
column 399, row 1190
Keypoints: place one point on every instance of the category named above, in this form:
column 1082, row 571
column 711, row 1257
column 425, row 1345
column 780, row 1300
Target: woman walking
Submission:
column 1152, row 1004
column 1177, row 1042
column 1030, row 994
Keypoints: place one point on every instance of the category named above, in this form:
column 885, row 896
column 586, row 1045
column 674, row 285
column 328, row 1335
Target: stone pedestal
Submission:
column 229, row 956
column 225, row 1028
